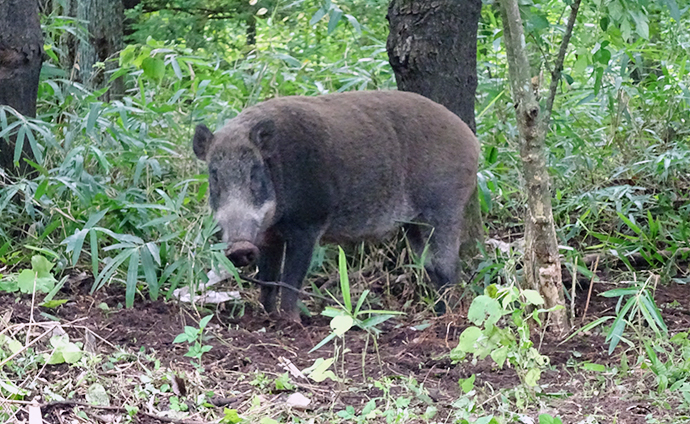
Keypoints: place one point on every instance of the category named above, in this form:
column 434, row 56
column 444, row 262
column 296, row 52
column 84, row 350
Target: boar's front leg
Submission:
column 270, row 261
column 298, row 251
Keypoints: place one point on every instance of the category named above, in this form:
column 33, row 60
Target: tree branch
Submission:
column 558, row 66
column 218, row 13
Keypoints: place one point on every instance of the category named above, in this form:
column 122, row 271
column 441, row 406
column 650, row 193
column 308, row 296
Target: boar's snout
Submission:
column 242, row 253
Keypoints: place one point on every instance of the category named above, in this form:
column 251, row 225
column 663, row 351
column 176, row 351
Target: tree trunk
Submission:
column 68, row 42
column 542, row 264
column 432, row 48
column 21, row 56
column 251, row 31
column 105, row 27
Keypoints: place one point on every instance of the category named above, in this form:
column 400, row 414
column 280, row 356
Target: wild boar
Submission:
column 293, row 171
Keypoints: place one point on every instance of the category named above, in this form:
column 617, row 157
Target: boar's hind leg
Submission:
column 442, row 257
column 270, row 260
column 298, row 251
column 445, row 248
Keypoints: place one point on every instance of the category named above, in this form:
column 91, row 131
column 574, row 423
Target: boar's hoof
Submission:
column 242, row 253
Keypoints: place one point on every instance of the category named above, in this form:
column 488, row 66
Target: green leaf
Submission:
column 467, row 384
column 141, row 163
column 228, row 265
column 323, row 342
column 13, row 345
column 319, row 371
column 548, row 419
column 355, row 23
column 110, row 269
column 35, row 148
column 191, row 332
column 28, row 280
column 318, row 16
column 616, row 332
column 132, row 273
column 375, row 320
column 149, row 272
column 673, row 9
column 652, row 313
column 344, row 281
column 334, row 19
column 74, row 243
column 360, row 302
column 182, row 338
column 484, row 309
column 96, row 395
column 341, row 324
column 468, row 339
column 489, row 419
column 153, row 68
column 283, row 382
column 589, row 366
column 492, row 155
column 42, row 266
column 204, row 321
column 641, row 23
column 619, row 292
column 41, row 189
column 630, row 224
column 64, row 351
column 289, row 60
column 13, row 389
column 19, row 144
column 532, row 376
column 176, row 68
column 54, row 303
column 95, row 218
column 231, row 416
column 538, row 22
column 91, row 119
column 589, row 326
column 533, row 297
column 500, row 355
column 93, row 242
column 603, row 56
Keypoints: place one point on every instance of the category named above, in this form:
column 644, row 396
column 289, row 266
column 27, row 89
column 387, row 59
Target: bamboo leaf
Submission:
column 149, row 272
column 344, row 280
column 132, row 273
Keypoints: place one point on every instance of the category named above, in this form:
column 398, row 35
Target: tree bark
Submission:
column 542, row 263
column 21, row 56
column 432, row 48
column 105, row 28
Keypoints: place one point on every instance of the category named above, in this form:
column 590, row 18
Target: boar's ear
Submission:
column 262, row 132
column 202, row 139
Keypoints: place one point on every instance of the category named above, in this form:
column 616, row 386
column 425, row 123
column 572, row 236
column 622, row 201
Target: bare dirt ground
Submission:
column 251, row 351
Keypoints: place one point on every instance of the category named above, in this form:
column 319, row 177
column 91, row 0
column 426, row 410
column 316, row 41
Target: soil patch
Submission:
column 251, row 351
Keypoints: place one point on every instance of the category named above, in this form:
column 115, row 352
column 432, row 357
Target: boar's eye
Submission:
column 213, row 176
column 214, row 189
column 259, row 184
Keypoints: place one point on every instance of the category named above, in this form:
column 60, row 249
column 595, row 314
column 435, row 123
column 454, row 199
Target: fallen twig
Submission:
column 633, row 257
column 287, row 286
column 589, row 294
column 572, row 291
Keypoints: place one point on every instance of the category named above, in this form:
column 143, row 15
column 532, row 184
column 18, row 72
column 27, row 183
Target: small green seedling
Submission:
column 510, row 343
column 195, row 338
column 346, row 316
column 64, row 351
